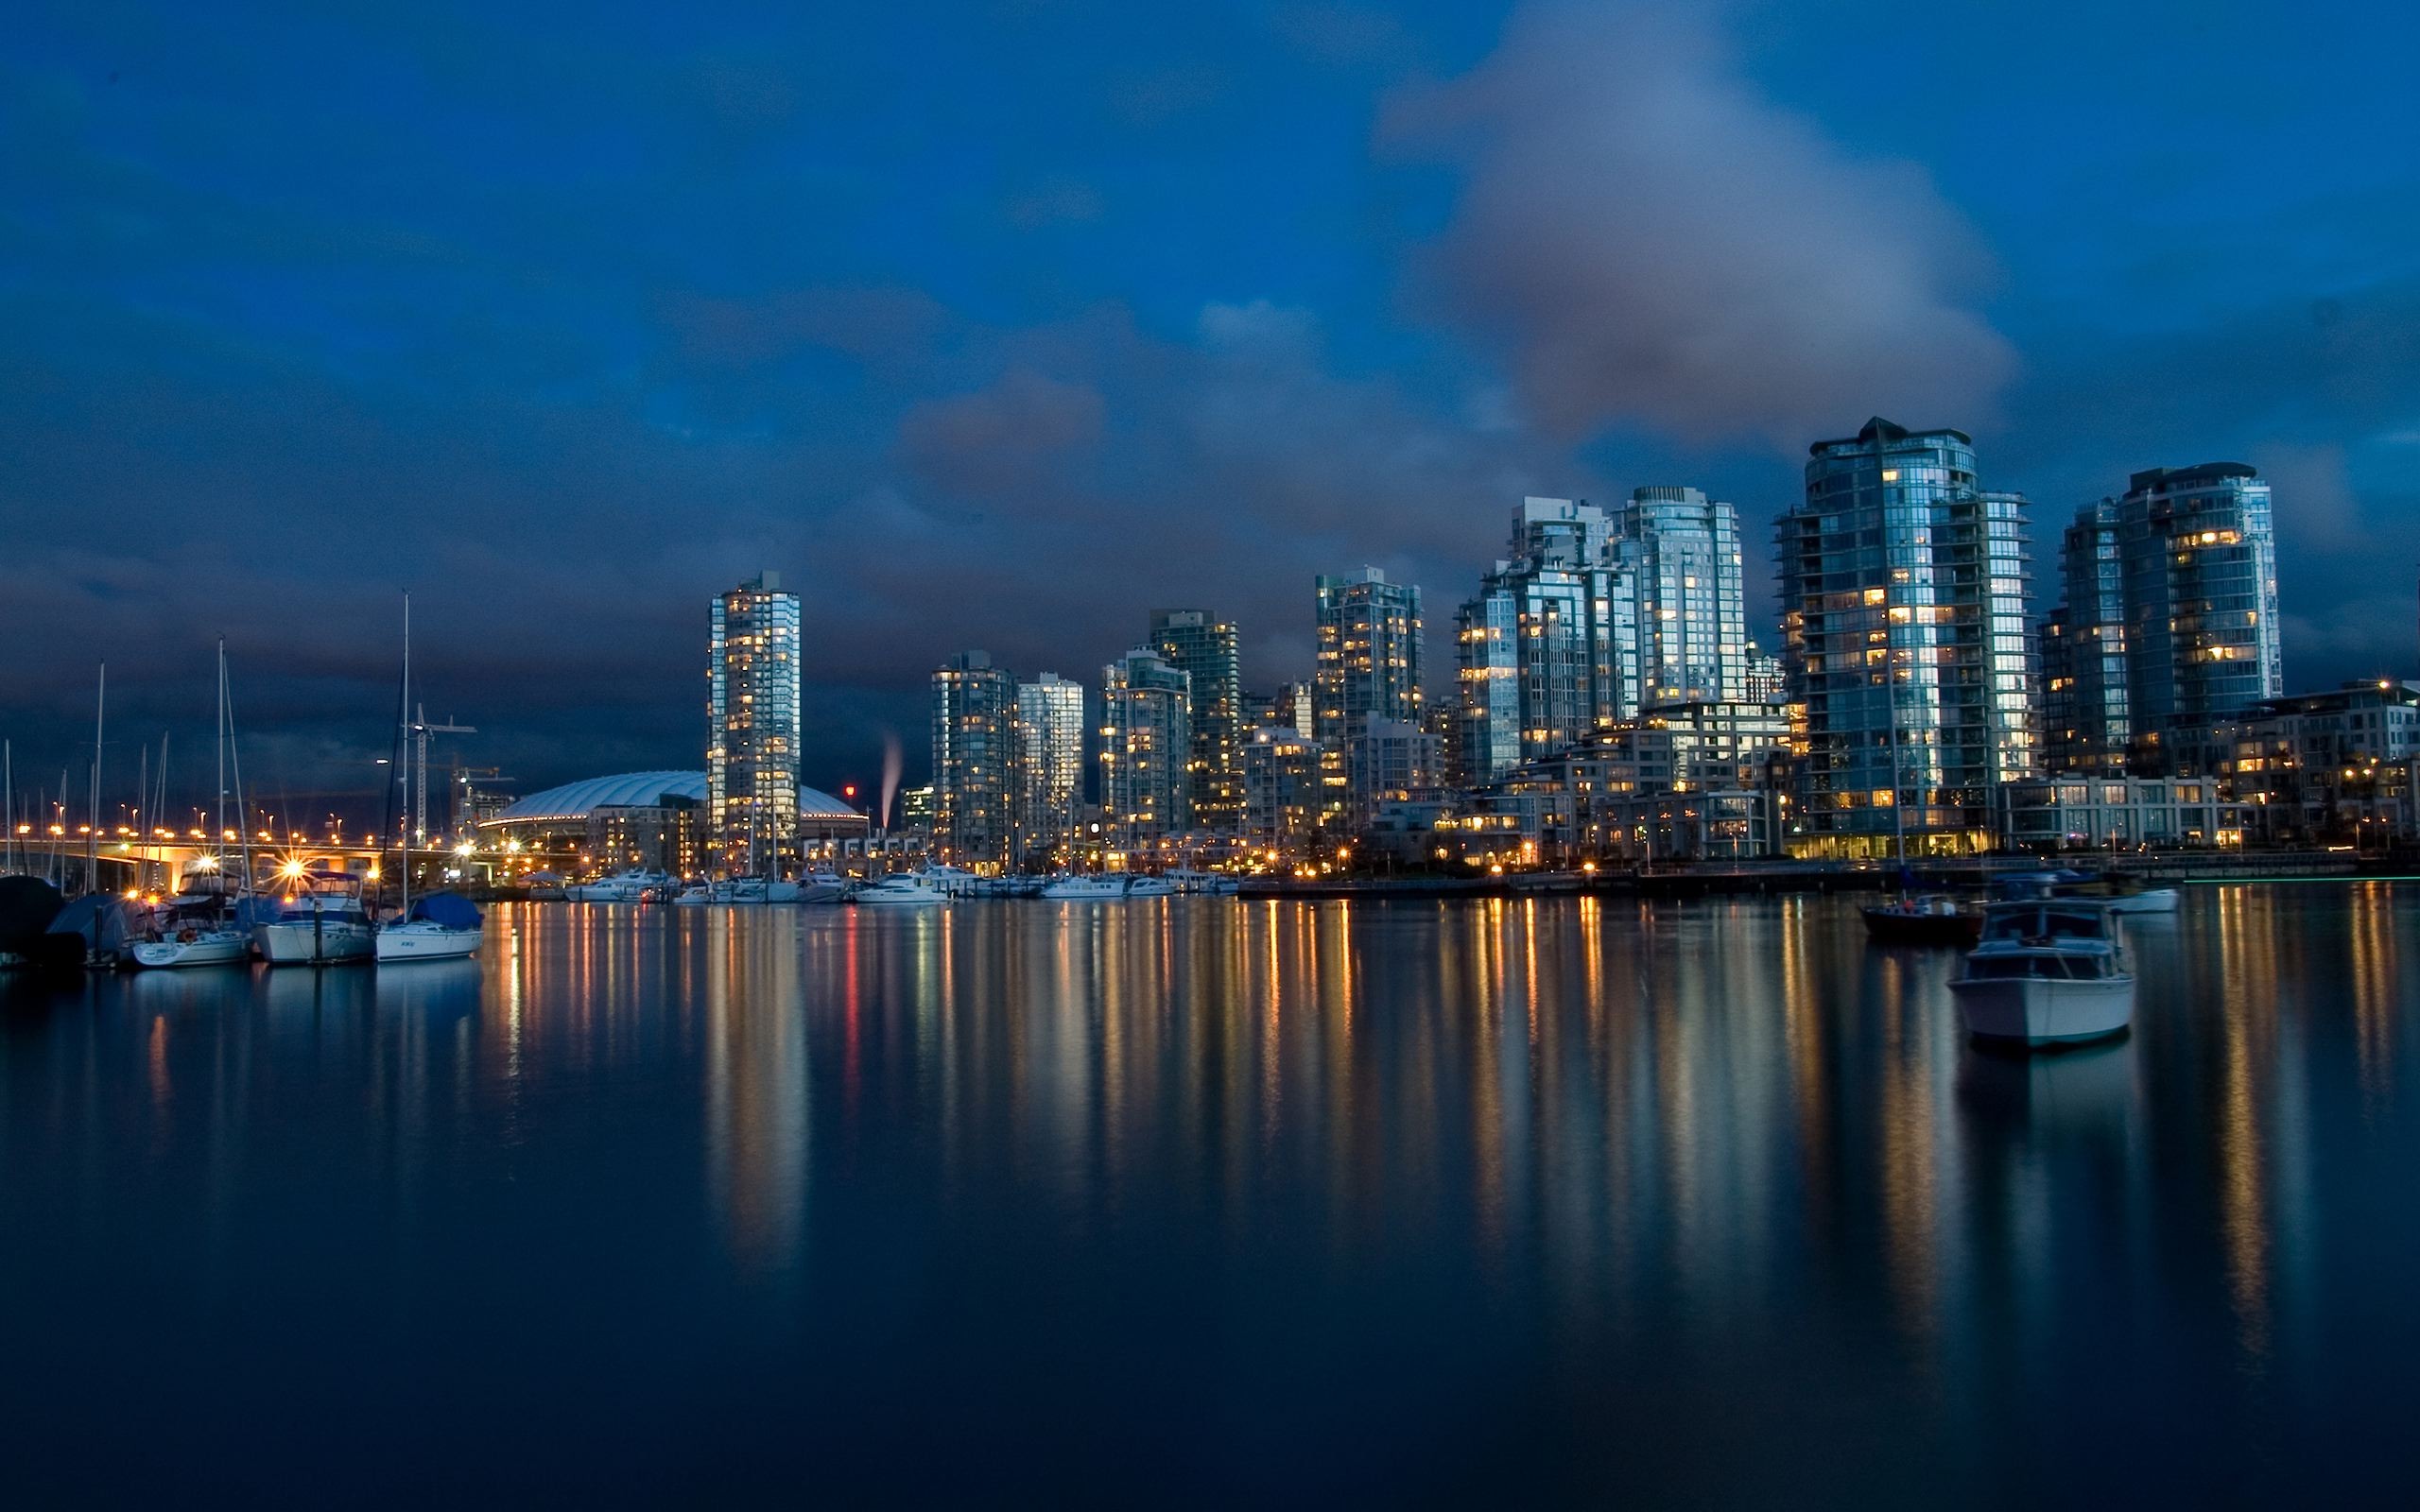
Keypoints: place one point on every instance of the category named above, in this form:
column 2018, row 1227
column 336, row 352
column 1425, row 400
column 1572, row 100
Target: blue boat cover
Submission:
column 449, row 909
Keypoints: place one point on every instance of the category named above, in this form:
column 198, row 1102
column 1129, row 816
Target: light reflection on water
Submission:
column 1207, row 1198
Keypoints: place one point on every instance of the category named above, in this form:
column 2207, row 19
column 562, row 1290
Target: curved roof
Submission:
column 577, row 800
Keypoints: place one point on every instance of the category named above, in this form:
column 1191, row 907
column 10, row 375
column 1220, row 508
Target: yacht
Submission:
column 823, row 885
column 1081, row 890
column 2047, row 970
column 956, row 880
column 906, row 891
column 317, row 920
column 443, row 926
column 632, row 884
column 1210, row 883
column 1149, row 887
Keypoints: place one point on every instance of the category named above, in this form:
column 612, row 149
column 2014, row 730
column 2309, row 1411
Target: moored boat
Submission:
column 1933, row 919
column 443, row 926
column 2047, row 970
column 632, row 885
column 1084, row 889
column 318, row 920
column 905, row 890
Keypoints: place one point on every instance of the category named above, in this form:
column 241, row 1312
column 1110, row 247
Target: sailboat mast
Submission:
column 8, row 808
column 92, row 832
column 235, row 759
column 408, row 708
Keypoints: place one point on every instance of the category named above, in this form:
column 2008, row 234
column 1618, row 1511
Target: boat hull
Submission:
column 2042, row 1012
column 327, row 942
column 218, row 948
column 2154, row 900
column 409, row 943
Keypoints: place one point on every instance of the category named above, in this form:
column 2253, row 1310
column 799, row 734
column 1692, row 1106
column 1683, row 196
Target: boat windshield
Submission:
column 2045, row 922
column 2041, row 966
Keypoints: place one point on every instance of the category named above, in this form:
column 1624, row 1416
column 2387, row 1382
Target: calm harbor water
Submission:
column 1200, row 1200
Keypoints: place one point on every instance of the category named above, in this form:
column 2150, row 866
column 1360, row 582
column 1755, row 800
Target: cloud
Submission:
column 975, row 443
column 1645, row 239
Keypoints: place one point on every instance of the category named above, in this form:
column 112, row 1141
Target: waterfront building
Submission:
column 752, row 727
column 1549, row 650
column 975, row 775
column 1368, row 653
column 1050, row 760
column 1903, row 595
column 2086, row 717
column 1389, row 760
column 1204, row 647
column 1294, row 789
column 2315, row 767
column 1680, row 550
column 1146, row 744
column 654, row 819
column 916, row 811
column 2099, row 811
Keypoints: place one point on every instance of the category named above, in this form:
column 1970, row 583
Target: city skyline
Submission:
column 745, row 330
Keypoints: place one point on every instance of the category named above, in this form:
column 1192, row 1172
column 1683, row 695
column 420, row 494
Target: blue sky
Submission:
column 999, row 325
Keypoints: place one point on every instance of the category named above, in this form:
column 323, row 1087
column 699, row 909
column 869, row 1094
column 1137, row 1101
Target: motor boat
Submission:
column 632, row 884
column 2047, row 972
column 1085, row 890
column 318, row 920
column 1933, row 919
column 823, row 885
column 1186, row 880
column 1149, row 887
column 695, row 894
column 956, row 880
column 2124, row 894
column 906, row 891
column 443, row 926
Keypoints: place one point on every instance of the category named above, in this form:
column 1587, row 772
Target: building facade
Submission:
column 2199, row 567
column 1294, row 790
column 752, row 727
column 1204, row 647
column 974, row 769
column 1050, row 761
column 1902, row 596
column 1368, row 653
column 1548, row 651
column 2086, row 716
column 1681, row 552
column 1147, row 745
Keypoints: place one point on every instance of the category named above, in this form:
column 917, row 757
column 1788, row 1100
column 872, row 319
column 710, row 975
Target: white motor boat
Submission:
column 319, row 922
column 695, row 894
column 2145, row 900
column 907, row 890
column 1149, row 887
column 443, row 926
column 2049, row 970
column 1208, row 883
column 194, row 946
column 823, row 886
column 632, row 884
column 1084, row 889
column 956, row 880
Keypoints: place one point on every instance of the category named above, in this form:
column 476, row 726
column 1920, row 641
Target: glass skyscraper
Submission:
column 1681, row 550
column 1902, row 596
column 1204, row 647
column 752, row 733
column 2086, row 717
column 2199, row 571
column 1549, row 650
column 1368, row 653
column 1146, row 744
column 1050, row 759
column 975, row 740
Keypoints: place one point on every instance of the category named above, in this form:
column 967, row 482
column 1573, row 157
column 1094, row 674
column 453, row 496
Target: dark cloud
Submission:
column 1645, row 238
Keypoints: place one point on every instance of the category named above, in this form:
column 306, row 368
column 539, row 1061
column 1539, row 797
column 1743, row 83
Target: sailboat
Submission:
column 203, row 927
column 443, row 926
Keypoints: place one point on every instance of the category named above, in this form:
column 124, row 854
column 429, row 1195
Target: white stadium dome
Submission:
column 578, row 800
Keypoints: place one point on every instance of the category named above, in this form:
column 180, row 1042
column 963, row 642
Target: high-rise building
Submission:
column 1680, row 551
column 1050, row 760
column 753, row 729
column 1389, row 761
column 1289, row 708
column 1294, row 788
column 2199, row 568
column 2169, row 618
column 1368, row 653
column 1549, row 650
column 2086, row 722
column 1903, row 599
column 975, row 777
column 1147, row 745
column 1203, row 646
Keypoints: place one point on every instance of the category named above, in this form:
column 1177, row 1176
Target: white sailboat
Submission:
column 443, row 926
column 202, row 926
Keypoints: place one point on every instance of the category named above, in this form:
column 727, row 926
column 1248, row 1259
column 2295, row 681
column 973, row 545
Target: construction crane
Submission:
column 422, row 730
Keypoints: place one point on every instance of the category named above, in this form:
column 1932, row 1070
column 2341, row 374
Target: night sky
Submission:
column 999, row 325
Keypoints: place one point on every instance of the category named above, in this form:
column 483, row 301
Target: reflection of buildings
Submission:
column 758, row 1092
column 753, row 734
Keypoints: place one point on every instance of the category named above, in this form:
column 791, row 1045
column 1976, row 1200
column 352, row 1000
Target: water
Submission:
column 1207, row 1201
